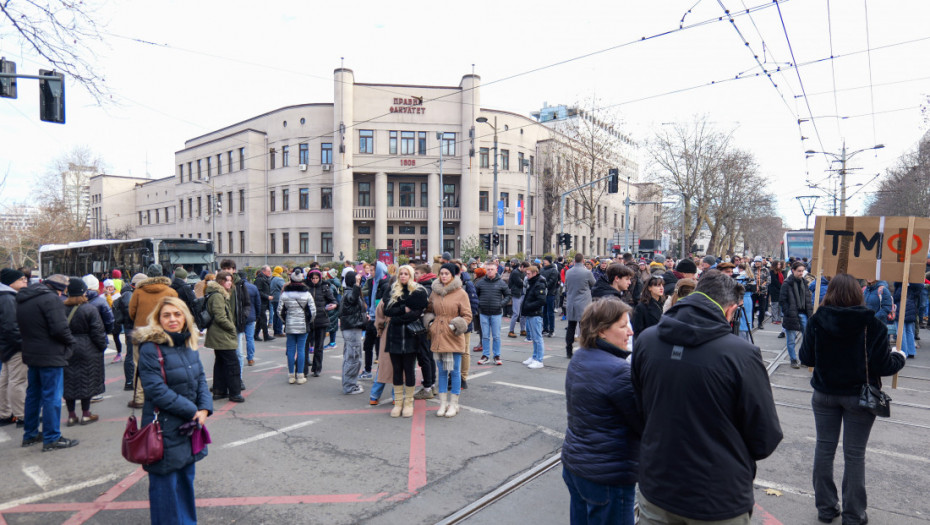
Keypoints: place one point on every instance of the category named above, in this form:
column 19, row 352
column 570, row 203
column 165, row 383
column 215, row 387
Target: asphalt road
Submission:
column 308, row 454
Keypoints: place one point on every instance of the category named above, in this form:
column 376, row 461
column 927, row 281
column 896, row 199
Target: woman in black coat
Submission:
column 649, row 310
column 84, row 376
column 405, row 305
column 177, row 389
column 324, row 301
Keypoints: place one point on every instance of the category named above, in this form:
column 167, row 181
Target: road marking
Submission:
column 549, row 432
column 267, row 369
column 527, row 387
column 881, row 452
column 784, row 488
column 268, row 434
column 337, row 356
column 58, row 492
column 480, row 374
column 37, row 475
column 4, row 437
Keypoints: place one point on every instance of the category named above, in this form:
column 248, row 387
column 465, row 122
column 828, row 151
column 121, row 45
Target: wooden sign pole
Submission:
column 905, row 281
column 819, row 229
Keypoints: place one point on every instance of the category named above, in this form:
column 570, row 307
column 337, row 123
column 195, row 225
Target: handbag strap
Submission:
column 865, row 343
column 161, row 364
column 74, row 309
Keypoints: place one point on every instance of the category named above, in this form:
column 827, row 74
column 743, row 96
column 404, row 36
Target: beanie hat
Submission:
column 277, row 271
column 447, row 256
column 180, row 272
column 154, row 270
column 350, row 279
column 138, row 278
column 314, row 271
column 686, row 266
column 9, row 276
column 297, row 276
column 76, row 287
column 92, row 282
column 710, row 259
column 107, row 282
column 116, row 274
column 58, row 282
column 452, row 268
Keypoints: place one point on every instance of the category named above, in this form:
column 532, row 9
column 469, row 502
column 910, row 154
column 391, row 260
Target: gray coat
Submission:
column 578, row 283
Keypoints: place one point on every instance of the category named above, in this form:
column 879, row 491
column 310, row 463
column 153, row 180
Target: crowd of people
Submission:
column 632, row 328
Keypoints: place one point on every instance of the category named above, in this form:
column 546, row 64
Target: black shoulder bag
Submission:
column 871, row 397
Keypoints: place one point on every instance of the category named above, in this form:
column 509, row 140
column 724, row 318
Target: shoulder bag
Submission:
column 145, row 446
column 871, row 398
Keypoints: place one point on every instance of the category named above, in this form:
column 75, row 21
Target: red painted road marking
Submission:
column 767, row 519
column 108, row 497
column 417, row 475
column 246, row 394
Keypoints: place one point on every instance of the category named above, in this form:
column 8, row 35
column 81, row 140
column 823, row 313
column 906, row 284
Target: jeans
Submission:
column 924, row 302
column 45, row 387
column 792, row 334
column 443, row 382
column 907, row 344
column 240, row 351
column 351, row 358
column 276, row 322
column 171, row 497
column 830, row 412
column 250, row 341
column 534, row 331
column 490, row 331
column 549, row 314
column 376, row 390
column 295, row 350
column 517, row 301
column 595, row 503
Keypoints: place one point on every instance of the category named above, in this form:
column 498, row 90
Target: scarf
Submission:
column 178, row 339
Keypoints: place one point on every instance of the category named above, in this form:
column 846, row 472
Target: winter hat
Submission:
column 277, row 271
column 180, row 272
column 659, row 258
column 757, row 259
column 76, row 287
column 314, row 271
column 350, row 279
column 58, row 282
column 686, row 266
column 154, row 270
column 710, row 259
column 9, row 276
column 332, row 273
column 116, row 274
column 107, row 282
column 447, row 256
column 297, row 276
column 480, row 272
column 138, row 278
column 452, row 268
column 92, row 282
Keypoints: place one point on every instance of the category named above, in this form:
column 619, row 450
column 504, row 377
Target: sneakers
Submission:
column 32, row 441
column 795, row 363
column 512, row 335
column 528, row 361
column 535, row 364
column 96, row 399
column 497, row 360
column 355, row 390
column 117, row 359
column 477, row 349
column 62, row 442
column 236, row 399
column 483, row 360
column 527, row 340
column 424, row 393
column 331, row 345
column 365, row 375
column 291, row 379
column 781, row 335
column 301, row 379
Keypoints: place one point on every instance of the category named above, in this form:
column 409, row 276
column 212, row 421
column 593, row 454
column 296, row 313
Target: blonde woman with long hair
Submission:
column 405, row 305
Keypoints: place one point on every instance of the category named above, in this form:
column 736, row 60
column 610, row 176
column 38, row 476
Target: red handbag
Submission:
column 146, row 445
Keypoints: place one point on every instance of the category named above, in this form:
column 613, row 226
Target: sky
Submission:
column 177, row 70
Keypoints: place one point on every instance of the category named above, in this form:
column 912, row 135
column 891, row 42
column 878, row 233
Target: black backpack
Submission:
column 199, row 310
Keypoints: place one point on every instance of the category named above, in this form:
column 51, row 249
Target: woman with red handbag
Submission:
column 176, row 392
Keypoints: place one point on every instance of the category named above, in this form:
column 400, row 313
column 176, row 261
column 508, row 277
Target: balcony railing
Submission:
column 404, row 214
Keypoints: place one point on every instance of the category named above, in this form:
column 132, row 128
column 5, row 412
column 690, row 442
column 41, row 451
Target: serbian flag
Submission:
column 519, row 215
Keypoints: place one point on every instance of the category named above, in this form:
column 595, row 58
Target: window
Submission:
column 326, row 198
column 303, row 153
column 532, row 170
column 229, row 160
column 190, row 208
column 210, row 209
column 209, row 167
column 199, row 169
column 270, row 243
column 271, row 158
column 408, row 194
column 181, row 172
column 391, row 229
column 364, row 194
column 219, row 243
column 229, row 201
column 407, row 230
column 303, row 198
column 219, row 163
column 230, row 242
column 326, row 153
column 140, row 218
column 424, row 230
column 364, row 230
column 241, row 241
column 615, row 220
column 483, row 158
column 181, row 208
column 532, row 205
column 505, row 159
column 366, row 141
column 271, row 205
column 448, row 145
column 363, row 244
column 448, row 230
column 448, row 245
column 421, row 142
column 390, row 194
column 424, row 195
column 407, row 143
column 199, row 207
column 448, row 196
column 506, row 198
column 285, row 242
column 241, row 158
column 392, row 143
column 285, row 199
column 285, row 156
column 326, row 242
column 241, row 201
column 190, row 171
column 520, row 161
column 304, row 242
column 482, row 201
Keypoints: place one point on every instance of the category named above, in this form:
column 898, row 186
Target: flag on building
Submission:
column 519, row 215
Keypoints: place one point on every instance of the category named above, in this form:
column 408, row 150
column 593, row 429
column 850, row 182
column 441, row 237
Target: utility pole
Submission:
column 807, row 202
column 627, row 202
column 495, row 196
column 843, row 157
column 442, row 216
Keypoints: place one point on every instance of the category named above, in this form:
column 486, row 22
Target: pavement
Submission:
column 309, row 454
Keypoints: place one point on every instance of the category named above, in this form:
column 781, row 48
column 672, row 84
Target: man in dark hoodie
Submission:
column 425, row 277
column 720, row 412
column 180, row 286
column 615, row 283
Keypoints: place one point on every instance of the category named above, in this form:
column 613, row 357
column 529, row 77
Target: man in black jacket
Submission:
column 550, row 273
column 719, row 415
column 516, row 294
column 179, row 285
column 47, row 343
column 14, row 372
column 796, row 308
column 615, row 283
column 263, row 283
column 534, row 302
column 493, row 294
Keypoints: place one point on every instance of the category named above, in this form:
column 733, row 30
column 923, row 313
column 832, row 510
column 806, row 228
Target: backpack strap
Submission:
column 74, row 310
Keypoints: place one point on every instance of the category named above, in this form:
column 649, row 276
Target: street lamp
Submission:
column 484, row 120
column 842, row 158
column 212, row 215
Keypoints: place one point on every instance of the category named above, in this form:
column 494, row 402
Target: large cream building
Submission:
column 324, row 181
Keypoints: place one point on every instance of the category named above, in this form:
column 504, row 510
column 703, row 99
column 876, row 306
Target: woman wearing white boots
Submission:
column 449, row 303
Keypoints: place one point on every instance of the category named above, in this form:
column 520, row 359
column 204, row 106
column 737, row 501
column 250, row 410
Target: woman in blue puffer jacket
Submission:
column 908, row 345
column 600, row 455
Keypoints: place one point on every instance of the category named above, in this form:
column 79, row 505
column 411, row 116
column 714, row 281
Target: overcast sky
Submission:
column 216, row 63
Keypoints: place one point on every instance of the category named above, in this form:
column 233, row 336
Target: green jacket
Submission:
column 221, row 335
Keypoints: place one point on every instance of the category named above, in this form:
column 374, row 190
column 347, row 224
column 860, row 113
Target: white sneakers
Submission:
column 528, row 361
column 534, row 364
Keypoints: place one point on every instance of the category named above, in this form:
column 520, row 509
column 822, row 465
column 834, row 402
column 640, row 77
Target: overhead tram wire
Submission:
column 836, row 105
column 867, row 86
column 865, row 4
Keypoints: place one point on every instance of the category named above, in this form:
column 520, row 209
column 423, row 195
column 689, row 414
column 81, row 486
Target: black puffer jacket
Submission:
column 11, row 341
column 322, row 295
column 553, row 279
column 43, row 324
column 399, row 339
column 603, row 289
column 516, row 283
column 353, row 314
column 184, row 290
column 493, row 294
column 85, row 375
column 535, row 299
column 646, row 314
column 795, row 299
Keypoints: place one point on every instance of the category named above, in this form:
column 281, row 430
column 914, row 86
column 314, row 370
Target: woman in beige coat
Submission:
column 452, row 310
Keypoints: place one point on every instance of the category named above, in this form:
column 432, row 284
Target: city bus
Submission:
column 798, row 244
column 99, row 256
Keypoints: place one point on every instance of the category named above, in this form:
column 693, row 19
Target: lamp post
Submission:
column 843, row 157
column 442, row 212
column 484, row 120
column 212, row 213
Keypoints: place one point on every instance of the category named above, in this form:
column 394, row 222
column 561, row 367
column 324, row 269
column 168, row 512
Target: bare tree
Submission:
column 762, row 235
column 905, row 187
column 62, row 32
column 552, row 184
column 64, row 204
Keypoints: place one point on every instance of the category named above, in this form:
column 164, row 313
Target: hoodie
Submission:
column 380, row 272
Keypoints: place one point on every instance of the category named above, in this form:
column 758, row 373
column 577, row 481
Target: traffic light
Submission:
column 486, row 241
column 219, row 206
column 568, row 241
column 7, row 84
column 613, row 180
column 52, row 97
column 497, row 239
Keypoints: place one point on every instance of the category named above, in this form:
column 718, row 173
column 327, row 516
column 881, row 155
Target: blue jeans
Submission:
column 44, row 390
column 907, row 344
column 549, row 314
column 491, row 329
column 377, row 389
column 276, row 322
column 791, row 334
column 171, row 497
column 240, row 351
column 295, row 351
column 249, row 341
column 595, row 503
column 924, row 302
column 534, row 332
column 443, row 381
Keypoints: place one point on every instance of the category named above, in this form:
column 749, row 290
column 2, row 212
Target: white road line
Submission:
column 268, row 434
column 889, row 453
column 37, row 475
column 337, row 356
column 338, row 378
column 784, row 488
column 549, row 432
column 527, row 387
column 58, row 492
column 481, row 374
column 4, row 437
column 435, row 401
column 267, row 369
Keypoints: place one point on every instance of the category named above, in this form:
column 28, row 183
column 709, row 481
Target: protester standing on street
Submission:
column 493, row 294
column 578, row 284
column 324, row 301
column 405, row 305
column 222, row 338
column 550, row 273
column 796, row 308
column 353, row 317
column 515, row 281
column 251, row 320
column 111, row 295
column 649, row 310
column 180, row 286
column 534, row 303
column 296, row 309
column 263, row 283
column 277, row 286
column 846, row 344
column 776, row 279
column 148, row 292
column 760, row 298
column 84, row 376
column 910, row 317
column 173, row 379
column 14, row 372
column 451, row 310
column 600, row 455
